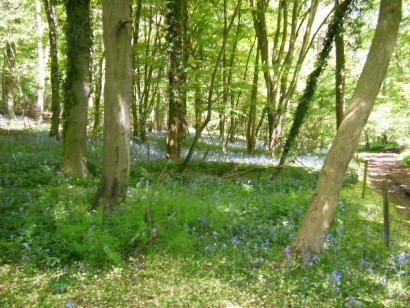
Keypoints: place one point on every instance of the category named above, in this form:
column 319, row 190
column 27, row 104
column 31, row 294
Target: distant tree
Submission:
column 41, row 76
column 340, row 71
column 50, row 7
column 77, row 87
column 251, row 129
column 117, row 97
column 9, row 79
column 313, row 78
column 318, row 217
column 283, row 60
column 211, row 90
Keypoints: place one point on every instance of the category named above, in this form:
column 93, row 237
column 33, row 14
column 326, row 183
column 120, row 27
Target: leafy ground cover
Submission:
column 222, row 235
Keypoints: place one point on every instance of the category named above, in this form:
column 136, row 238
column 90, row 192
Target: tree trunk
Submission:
column 9, row 80
column 55, row 84
column 135, row 64
column 176, row 76
column 340, row 67
column 41, row 77
column 316, row 222
column 117, row 97
column 97, row 94
column 340, row 72
column 77, row 89
column 251, row 125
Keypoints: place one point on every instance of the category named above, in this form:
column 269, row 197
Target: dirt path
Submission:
column 384, row 166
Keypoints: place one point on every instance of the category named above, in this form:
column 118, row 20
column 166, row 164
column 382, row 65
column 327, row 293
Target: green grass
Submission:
column 225, row 230
column 405, row 158
column 377, row 147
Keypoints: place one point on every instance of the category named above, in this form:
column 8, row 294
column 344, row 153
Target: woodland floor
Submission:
column 386, row 166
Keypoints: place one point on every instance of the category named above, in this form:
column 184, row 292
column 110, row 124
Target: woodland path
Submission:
column 386, row 166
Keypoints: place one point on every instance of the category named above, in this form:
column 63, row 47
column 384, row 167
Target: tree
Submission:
column 77, row 88
column 117, row 97
column 50, row 7
column 312, row 81
column 9, row 80
column 282, row 63
column 176, row 23
column 41, row 82
column 318, row 217
column 340, row 67
column 251, row 128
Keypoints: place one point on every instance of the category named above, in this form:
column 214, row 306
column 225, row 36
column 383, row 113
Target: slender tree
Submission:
column 117, row 34
column 318, row 217
column 135, row 63
column 340, row 67
column 251, row 125
column 41, row 76
column 77, row 88
column 97, row 93
column 9, row 79
column 50, row 7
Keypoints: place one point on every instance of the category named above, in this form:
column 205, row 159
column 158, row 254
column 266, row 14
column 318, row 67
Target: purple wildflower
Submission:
column 336, row 276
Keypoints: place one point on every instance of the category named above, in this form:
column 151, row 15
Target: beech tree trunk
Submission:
column 55, row 84
column 77, row 88
column 117, row 97
column 316, row 222
column 176, row 75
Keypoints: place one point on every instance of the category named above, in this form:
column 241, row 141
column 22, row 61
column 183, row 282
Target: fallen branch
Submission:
column 151, row 239
column 247, row 171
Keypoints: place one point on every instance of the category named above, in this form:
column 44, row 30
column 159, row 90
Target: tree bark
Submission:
column 176, row 76
column 77, row 88
column 117, row 97
column 318, row 217
column 54, row 71
column 340, row 67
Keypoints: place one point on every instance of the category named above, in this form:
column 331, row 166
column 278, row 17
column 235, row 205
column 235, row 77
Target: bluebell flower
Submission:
column 287, row 251
column 336, row 276
column 401, row 273
column 353, row 302
column 236, row 241
column 402, row 258
column 70, row 304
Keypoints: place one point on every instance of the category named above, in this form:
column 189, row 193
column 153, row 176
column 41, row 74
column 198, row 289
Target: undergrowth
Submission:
column 219, row 235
